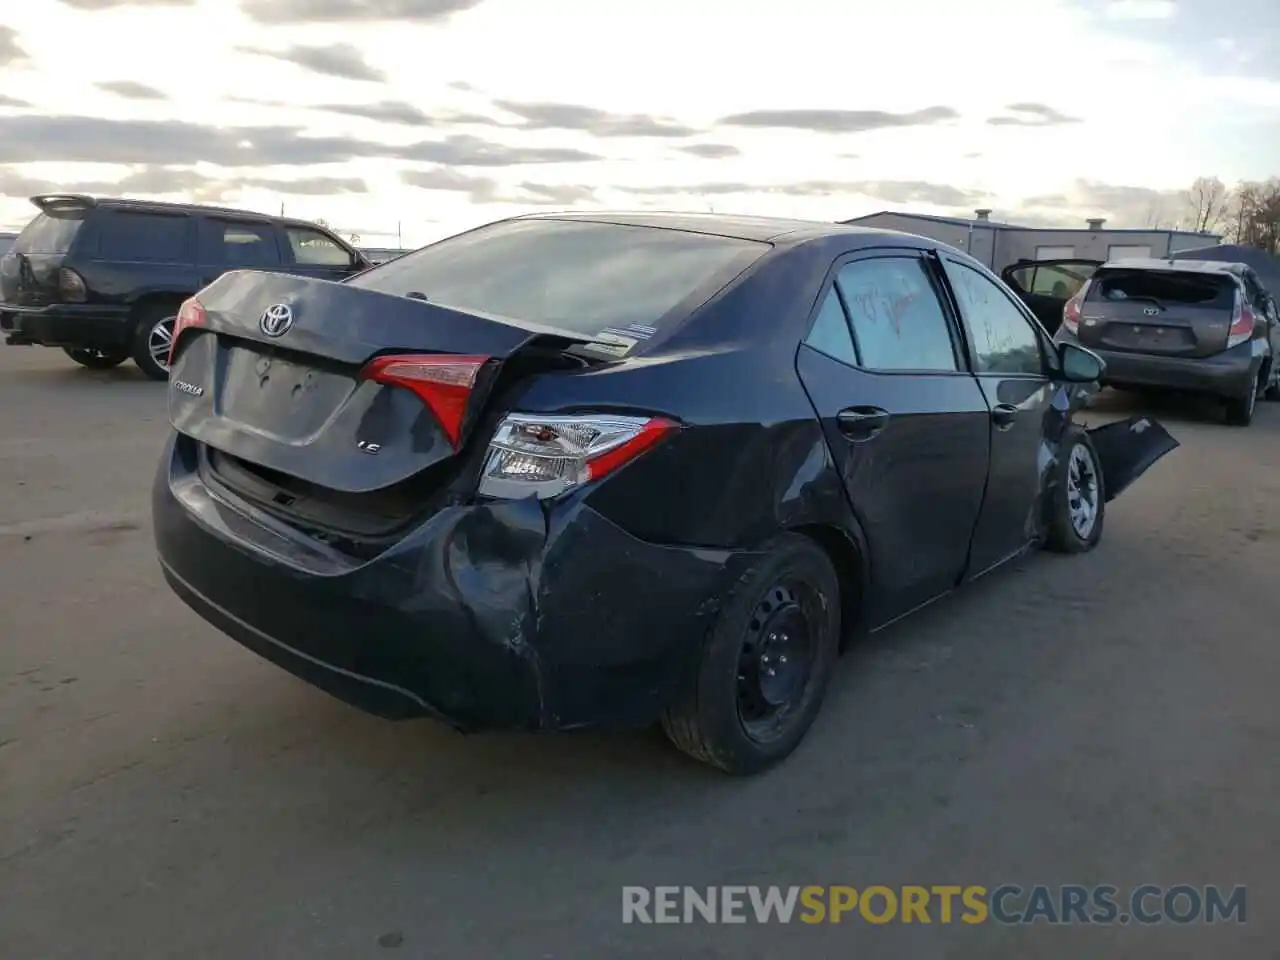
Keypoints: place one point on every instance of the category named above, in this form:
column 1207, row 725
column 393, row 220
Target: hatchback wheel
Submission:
column 1079, row 497
column 1240, row 410
column 151, row 341
column 766, row 664
column 96, row 359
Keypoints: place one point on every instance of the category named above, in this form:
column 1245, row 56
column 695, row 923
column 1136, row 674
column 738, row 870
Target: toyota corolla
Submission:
column 593, row 470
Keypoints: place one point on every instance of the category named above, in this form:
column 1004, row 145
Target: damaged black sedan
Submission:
column 587, row 470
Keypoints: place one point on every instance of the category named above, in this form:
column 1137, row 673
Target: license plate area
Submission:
column 1149, row 338
column 281, row 397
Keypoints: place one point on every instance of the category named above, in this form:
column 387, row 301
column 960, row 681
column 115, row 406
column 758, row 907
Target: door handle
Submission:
column 1003, row 415
column 861, row 423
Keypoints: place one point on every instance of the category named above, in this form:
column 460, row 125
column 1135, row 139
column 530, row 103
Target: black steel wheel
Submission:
column 766, row 663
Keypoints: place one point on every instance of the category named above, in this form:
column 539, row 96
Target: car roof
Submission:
column 777, row 230
column 1177, row 266
column 161, row 206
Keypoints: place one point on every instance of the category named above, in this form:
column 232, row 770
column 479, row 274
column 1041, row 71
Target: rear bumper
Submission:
column 67, row 325
column 493, row 615
column 1229, row 374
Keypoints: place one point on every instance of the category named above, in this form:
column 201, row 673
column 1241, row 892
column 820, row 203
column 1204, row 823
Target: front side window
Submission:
column 1004, row 340
column 240, row 244
column 604, row 280
column 898, row 322
column 313, row 249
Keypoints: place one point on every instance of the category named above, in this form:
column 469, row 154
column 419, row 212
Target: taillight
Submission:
column 71, row 288
column 1073, row 308
column 1242, row 323
column 190, row 314
column 443, row 382
column 545, row 456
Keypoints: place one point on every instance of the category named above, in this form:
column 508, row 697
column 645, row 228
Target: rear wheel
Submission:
column 1272, row 389
column 766, row 663
column 1079, row 497
column 96, row 359
column 152, row 338
column 1240, row 409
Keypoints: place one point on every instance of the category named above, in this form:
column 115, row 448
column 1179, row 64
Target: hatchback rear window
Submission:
column 1164, row 287
column 611, row 282
column 50, row 233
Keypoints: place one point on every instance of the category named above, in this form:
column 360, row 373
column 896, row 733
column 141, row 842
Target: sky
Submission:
column 403, row 121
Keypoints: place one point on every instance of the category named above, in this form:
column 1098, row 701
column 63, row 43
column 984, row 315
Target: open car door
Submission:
column 1046, row 285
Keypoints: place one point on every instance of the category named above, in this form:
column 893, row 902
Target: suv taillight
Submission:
column 71, row 288
column 1074, row 307
column 1242, row 323
column 545, row 456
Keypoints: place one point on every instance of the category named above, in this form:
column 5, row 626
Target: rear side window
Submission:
column 313, row 249
column 1164, row 288
column 49, row 233
column 898, row 322
column 830, row 332
column 235, row 243
column 1062, row 281
column 609, row 281
column 145, row 237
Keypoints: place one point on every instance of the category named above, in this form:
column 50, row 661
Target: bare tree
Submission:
column 1257, row 215
column 1208, row 202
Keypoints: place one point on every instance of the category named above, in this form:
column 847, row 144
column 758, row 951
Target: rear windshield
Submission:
column 1164, row 287
column 616, row 284
column 49, row 233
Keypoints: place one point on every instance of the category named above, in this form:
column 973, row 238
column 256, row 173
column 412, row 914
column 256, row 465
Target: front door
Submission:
column 906, row 423
column 1045, row 286
column 1008, row 352
column 315, row 254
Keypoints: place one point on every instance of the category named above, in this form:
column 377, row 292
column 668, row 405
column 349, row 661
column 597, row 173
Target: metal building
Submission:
column 5, row 240
column 1000, row 244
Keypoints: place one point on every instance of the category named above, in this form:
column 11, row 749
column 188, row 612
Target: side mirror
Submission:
column 1080, row 365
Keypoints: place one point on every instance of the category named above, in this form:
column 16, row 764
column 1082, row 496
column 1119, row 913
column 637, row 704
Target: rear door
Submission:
column 1045, row 286
column 1170, row 313
column 1009, row 361
column 29, row 269
column 230, row 243
column 313, row 253
column 906, row 423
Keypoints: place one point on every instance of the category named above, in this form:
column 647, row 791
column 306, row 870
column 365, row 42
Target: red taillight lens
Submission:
column 190, row 314
column 1242, row 324
column 1073, row 308
column 443, row 382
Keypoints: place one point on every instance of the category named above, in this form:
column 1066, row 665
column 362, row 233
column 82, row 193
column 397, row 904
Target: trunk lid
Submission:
column 1163, row 312
column 298, row 409
column 29, row 270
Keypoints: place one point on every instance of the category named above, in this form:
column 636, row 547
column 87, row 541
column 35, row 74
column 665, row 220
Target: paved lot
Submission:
column 164, row 793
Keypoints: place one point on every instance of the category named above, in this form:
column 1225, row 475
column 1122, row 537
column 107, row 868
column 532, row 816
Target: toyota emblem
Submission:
column 276, row 320
column 1151, row 311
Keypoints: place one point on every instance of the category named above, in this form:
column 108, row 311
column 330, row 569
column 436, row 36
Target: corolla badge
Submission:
column 189, row 388
column 276, row 320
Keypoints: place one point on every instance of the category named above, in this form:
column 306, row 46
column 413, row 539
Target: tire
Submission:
column 149, row 337
column 1271, row 391
column 1079, row 494
column 1240, row 410
column 96, row 359
column 792, row 590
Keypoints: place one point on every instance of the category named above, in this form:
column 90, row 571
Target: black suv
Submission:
column 103, row 278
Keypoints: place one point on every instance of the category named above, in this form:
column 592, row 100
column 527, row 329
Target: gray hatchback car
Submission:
column 1189, row 325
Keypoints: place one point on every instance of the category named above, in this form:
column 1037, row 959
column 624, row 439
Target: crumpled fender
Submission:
column 1127, row 449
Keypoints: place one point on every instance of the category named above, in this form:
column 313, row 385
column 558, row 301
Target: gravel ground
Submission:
column 1107, row 719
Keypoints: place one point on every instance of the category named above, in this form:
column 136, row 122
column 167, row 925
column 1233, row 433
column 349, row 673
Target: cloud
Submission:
column 599, row 123
column 561, row 195
column 481, row 189
column 1141, row 9
column 10, row 51
column 894, row 191
column 1121, row 205
column 112, row 4
column 1032, row 115
column 399, row 112
column 347, row 11
column 130, row 90
column 7, row 101
column 39, row 138
column 336, row 60
column 839, row 121
column 711, row 151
